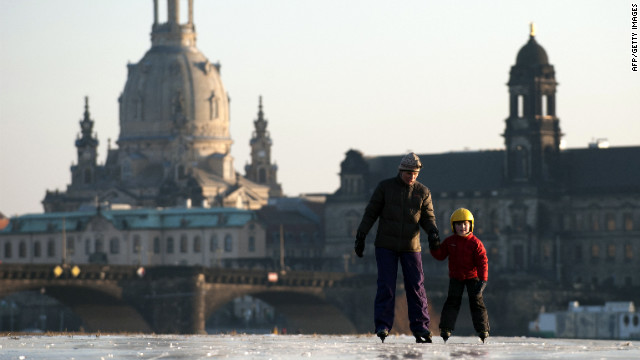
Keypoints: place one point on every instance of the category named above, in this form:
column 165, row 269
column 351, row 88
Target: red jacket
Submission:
column 467, row 257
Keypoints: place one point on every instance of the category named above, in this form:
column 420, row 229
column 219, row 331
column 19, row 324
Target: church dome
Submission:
column 174, row 92
column 532, row 53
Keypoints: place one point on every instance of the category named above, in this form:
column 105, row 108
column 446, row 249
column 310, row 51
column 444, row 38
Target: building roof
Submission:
column 532, row 54
column 138, row 219
column 615, row 169
column 588, row 170
column 441, row 172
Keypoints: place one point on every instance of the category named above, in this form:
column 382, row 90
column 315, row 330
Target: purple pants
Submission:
column 411, row 263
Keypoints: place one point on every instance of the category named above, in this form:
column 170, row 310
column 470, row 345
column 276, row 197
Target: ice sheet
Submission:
column 306, row 346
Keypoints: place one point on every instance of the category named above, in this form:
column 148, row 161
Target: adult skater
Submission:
column 402, row 206
column 468, row 267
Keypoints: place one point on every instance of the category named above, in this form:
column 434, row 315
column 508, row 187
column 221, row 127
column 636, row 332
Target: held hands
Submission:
column 434, row 239
column 359, row 248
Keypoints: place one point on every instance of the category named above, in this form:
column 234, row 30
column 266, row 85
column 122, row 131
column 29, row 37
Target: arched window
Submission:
column 71, row 246
column 37, row 249
column 87, row 176
column 114, row 245
column 7, row 250
column 156, row 245
column 136, row 244
column 520, row 105
column 197, row 244
column 22, row 249
column 252, row 244
column 213, row 243
column 228, row 243
column 184, row 244
column 170, row 245
column 51, row 248
column 99, row 245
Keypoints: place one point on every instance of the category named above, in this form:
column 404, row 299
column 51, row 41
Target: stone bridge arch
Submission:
column 179, row 299
column 306, row 310
column 99, row 305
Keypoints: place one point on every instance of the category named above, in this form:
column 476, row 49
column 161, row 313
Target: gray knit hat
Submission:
column 410, row 162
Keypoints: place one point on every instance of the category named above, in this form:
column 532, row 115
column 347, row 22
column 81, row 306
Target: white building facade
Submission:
column 177, row 236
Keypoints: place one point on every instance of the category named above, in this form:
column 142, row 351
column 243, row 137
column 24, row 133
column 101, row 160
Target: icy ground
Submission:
column 305, row 346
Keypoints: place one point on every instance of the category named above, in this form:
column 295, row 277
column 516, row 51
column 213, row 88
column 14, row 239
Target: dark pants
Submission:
column 454, row 300
column 411, row 263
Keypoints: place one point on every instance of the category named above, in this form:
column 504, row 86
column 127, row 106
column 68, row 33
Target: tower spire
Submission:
column 532, row 29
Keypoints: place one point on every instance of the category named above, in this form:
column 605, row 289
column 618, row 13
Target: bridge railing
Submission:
column 211, row 275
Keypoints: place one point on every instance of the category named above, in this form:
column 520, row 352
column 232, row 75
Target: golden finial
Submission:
column 533, row 29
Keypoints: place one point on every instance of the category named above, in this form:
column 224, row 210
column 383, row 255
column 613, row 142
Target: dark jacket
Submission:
column 467, row 257
column 402, row 210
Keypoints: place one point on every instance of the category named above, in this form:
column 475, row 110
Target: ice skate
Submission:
column 422, row 337
column 445, row 334
column 382, row 334
column 483, row 335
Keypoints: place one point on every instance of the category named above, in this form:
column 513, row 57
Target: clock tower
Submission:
column 260, row 170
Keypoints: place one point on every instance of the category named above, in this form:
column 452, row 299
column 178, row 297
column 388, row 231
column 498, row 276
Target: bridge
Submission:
column 179, row 299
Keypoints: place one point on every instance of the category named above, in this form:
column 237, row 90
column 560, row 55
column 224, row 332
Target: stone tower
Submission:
column 532, row 134
column 261, row 170
column 84, row 174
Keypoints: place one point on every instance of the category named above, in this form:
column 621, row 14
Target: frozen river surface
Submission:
column 306, row 346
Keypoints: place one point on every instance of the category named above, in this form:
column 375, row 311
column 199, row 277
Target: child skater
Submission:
column 468, row 268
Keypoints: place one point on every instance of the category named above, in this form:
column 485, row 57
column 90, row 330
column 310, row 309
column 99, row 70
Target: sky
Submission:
column 377, row 76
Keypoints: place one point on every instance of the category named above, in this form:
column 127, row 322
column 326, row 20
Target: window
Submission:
column 156, row 245
column 213, row 243
column 71, row 246
column 37, row 249
column 611, row 252
column 99, row 245
column 228, row 243
column 593, row 220
column 520, row 106
column 595, row 252
column 114, row 246
column 577, row 254
column 628, row 252
column 87, row 246
column 136, row 244
column 610, row 222
column 170, row 245
column 22, row 249
column 252, row 244
column 184, row 244
column 51, row 248
column 546, row 252
column 628, row 221
column 7, row 250
column 197, row 244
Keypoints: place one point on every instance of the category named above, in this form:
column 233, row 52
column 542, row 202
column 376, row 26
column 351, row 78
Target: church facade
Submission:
column 567, row 215
column 174, row 146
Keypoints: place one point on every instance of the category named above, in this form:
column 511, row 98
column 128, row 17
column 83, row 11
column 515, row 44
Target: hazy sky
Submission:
column 378, row 76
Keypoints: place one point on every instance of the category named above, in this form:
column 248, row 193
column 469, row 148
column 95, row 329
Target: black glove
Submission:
column 359, row 248
column 480, row 285
column 434, row 239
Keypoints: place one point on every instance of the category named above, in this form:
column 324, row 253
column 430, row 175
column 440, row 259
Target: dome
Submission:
column 532, row 54
column 174, row 92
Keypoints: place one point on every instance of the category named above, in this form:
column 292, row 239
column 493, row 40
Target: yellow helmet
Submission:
column 461, row 214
